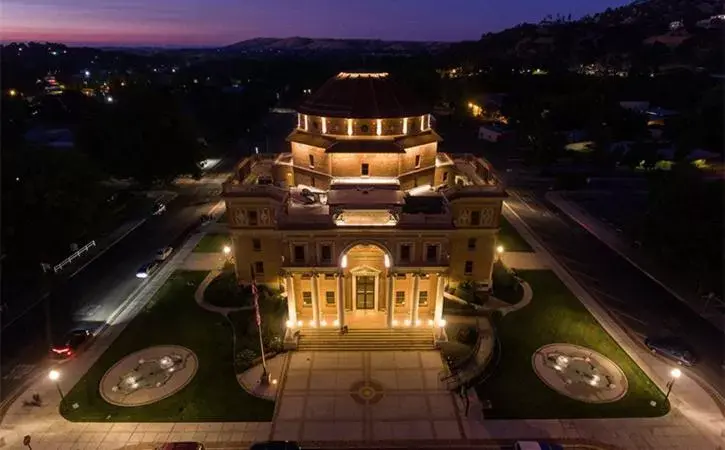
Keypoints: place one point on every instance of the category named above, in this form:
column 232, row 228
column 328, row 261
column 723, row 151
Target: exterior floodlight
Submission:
column 54, row 375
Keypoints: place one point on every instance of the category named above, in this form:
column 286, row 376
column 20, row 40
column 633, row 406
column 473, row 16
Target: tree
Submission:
column 145, row 135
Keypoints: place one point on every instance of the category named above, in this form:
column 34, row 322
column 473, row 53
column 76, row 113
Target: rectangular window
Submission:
column 258, row 267
column 472, row 243
column 400, row 276
column 329, row 276
column 423, row 298
column 475, row 217
column 330, row 297
column 365, row 169
column 307, row 298
column 399, row 298
column 252, row 217
column 431, row 253
column 424, row 276
column 299, row 254
column 445, row 176
column 326, row 254
column 256, row 245
column 312, row 160
column 417, row 161
column 405, row 253
column 468, row 268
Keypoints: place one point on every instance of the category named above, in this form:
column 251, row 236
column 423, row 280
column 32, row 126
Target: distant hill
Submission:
column 310, row 45
column 647, row 33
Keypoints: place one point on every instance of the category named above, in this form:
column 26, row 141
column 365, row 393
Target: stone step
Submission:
column 320, row 339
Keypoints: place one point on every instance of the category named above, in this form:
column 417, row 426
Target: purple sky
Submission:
column 218, row 22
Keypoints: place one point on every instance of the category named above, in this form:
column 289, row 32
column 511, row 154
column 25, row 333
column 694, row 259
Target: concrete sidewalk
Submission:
column 670, row 282
column 695, row 421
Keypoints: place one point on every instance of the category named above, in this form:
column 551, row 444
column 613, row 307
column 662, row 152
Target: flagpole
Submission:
column 255, row 293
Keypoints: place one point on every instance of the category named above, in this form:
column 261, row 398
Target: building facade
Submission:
column 364, row 223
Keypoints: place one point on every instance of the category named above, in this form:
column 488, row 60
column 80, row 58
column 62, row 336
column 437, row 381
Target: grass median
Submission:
column 556, row 315
column 510, row 239
column 172, row 317
column 213, row 243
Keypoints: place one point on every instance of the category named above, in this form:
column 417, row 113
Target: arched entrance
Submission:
column 365, row 266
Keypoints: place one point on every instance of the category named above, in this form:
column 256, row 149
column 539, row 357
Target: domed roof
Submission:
column 362, row 95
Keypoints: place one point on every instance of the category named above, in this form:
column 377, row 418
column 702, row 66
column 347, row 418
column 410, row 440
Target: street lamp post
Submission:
column 499, row 252
column 54, row 376
column 675, row 374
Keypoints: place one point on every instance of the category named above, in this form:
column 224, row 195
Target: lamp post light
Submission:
column 54, row 376
column 227, row 250
column 675, row 374
column 499, row 251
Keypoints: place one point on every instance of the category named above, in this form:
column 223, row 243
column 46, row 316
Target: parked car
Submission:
column 536, row 445
column 163, row 253
column 159, row 208
column 147, row 269
column 71, row 343
column 276, row 445
column 182, row 446
column 673, row 348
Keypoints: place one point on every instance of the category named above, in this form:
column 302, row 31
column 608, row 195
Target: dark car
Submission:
column 673, row 348
column 276, row 445
column 182, row 446
column 147, row 269
column 71, row 343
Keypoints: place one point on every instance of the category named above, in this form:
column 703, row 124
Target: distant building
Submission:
column 493, row 132
column 364, row 223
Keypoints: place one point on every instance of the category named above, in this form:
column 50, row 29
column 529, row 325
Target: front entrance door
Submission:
column 365, row 292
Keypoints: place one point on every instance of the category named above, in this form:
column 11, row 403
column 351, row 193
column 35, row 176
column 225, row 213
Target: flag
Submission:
column 255, row 296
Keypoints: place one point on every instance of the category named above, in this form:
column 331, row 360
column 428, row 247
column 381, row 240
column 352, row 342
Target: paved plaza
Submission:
column 339, row 396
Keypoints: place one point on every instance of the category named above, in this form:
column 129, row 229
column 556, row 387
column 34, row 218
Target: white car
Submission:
column 164, row 253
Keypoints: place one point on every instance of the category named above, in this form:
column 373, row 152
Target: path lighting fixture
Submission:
column 395, row 322
column 442, row 323
column 54, row 376
column 323, row 323
column 430, row 322
column 336, row 323
column 675, row 374
column 299, row 323
column 289, row 324
column 417, row 322
column 274, row 381
column 406, row 322
column 499, row 249
column 313, row 324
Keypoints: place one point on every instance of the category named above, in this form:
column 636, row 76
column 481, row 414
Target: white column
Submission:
column 416, row 294
column 289, row 285
column 341, row 298
column 390, row 303
column 438, row 315
column 315, row 299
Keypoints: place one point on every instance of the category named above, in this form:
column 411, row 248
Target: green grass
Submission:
column 556, row 315
column 173, row 318
column 213, row 243
column 224, row 291
column 511, row 239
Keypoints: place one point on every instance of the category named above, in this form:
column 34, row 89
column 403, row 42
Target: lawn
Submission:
column 511, row 239
column 213, row 243
column 556, row 315
column 225, row 292
column 172, row 317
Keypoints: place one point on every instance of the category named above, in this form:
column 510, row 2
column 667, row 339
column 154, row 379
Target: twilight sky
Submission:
column 220, row 22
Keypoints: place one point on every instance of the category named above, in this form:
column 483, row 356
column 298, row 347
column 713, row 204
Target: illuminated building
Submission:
column 364, row 223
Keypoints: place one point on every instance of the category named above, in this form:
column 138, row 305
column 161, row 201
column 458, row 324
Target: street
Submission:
column 639, row 304
column 90, row 297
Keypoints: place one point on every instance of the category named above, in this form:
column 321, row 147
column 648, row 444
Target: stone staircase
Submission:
column 368, row 339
